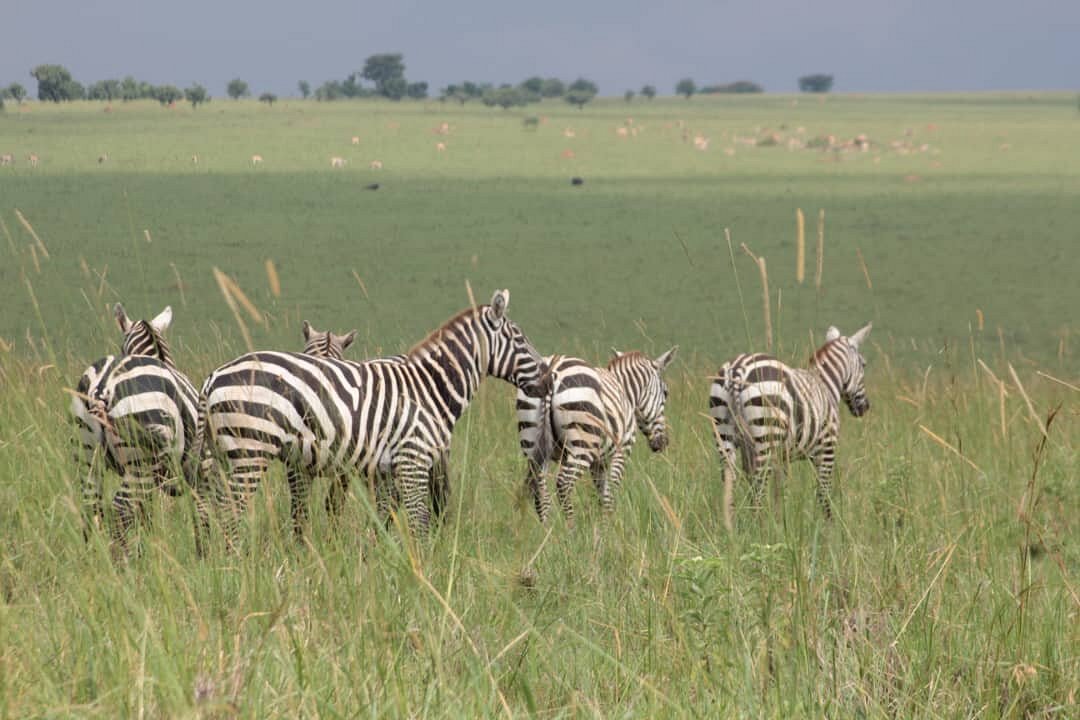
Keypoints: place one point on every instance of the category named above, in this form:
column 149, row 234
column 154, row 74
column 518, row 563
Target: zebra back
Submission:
column 643, row 382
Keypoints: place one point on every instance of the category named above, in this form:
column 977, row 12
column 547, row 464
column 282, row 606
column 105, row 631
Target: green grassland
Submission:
column 947, row 586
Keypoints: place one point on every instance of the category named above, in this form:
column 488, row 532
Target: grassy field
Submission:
column 947, row 586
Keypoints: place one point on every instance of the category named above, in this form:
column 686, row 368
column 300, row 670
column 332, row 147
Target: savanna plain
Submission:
column 947, row 584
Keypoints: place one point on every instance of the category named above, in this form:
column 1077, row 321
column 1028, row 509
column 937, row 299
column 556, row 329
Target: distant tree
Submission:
column 819, row 83
column 167, row 94
column 55, row 83
column 196, row 95
column 129, row 89
column 351, row 87
column 628, row 96
column 329, row 90
column 580, row 92
column 552, row 88
column 686, row 87
column 472, row 90
column 237, row 89
column 105, row 90
column 534, row 85
column 268, row 98
column 417, row 90
column 735, row 88
column 16, row 92
column 305, row 89
column 648, row 91
column 505, row 96
column 387, row 72
column 147, row 91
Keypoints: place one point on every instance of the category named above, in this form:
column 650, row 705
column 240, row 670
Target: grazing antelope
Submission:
column 6, row 159
column 337, row 162
column 33, row 158
column 355, row 139
column 568, row 154
column 441, row 147
column 568, row 132
column 622, row 132
column 195, row 159
column 102, row 158
column 256, row 159
column 376, row 164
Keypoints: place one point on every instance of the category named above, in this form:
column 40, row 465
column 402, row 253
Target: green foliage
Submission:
column 16, row 92
column 129, row 89
column 818, row 83
column 648, row 91
column 628, row 96
column 504, row 96
column 55, row 83
column 686, row 87
column 580, row 92
column 168, row 94
column 734, row 88
column 387, row 72
column 237, row 89
column 329, row 90
column 534, row 85
column 196, row 95
column 105, row 90
column 305, row 89
column 417, row 90
column 268, row 98
column 552, row 88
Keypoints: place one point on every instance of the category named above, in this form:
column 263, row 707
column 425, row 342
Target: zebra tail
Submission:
column 192, row 463
column 742, row 429
column 545, row 430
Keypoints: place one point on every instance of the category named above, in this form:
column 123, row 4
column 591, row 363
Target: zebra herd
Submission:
column 390, row 420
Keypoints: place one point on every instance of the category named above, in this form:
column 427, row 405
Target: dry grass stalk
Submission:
column 865, row 271
column 820, row 249
column 272, row 278
column 223, row 285
column 5, row 346
column 469, row 292
column 84, row 267
column 766, row 303
column 363, row 287
column 179, row 284
column 146, row 234
column 33, row 256
column 240, row 297
column 1031, row 408
column 1001, row 412
column 941, row 441
column 990, row 373
column 1059, row 381
column 979, row 318
column 30, row 229
column 7, row 234
column 800, row 246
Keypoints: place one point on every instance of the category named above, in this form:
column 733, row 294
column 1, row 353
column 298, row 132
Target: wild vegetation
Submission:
column 946, row 585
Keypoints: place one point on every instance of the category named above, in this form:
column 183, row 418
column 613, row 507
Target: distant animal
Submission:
column 7, row 159
column 767, row 412
column 588, row 421
column 195, row 159
column 355, row 139
column 577, row 181
column 32, row 158
column 568, row 154
column 569, row 132
column 136, row 414
column 102, row 158
column 256, row 159
column 621, row 132
column 372, row 186
column 376, row 164
column 441, row 147
column 337, row 162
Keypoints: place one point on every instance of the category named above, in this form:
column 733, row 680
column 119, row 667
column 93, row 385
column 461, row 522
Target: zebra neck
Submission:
column 450, row 368
column 623, row 372
column 826, row 375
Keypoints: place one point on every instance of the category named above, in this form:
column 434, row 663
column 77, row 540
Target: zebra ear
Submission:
column 307, row 330
column 664, row 360
column 161, row 322
column 348, row 339
column 858, row 338
column 615, row 352
column 832, row 333
column 122, row 318
column 499, row 302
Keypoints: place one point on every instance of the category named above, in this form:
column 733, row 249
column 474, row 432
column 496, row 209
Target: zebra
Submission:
column 322, row 343
column 388, row 420
column 136, row 413
column 766, row 411
column 588, row 420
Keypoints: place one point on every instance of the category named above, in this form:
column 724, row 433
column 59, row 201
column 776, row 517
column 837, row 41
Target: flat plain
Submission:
column 946, row 586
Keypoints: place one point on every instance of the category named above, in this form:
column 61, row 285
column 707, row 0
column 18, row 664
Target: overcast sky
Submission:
column 870, row 46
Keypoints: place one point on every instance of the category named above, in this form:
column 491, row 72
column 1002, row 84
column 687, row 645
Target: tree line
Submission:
column 385, row 75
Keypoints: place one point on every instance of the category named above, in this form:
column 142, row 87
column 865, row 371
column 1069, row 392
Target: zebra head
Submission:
column 841, row 359
column 320, row 343
column 644, row 381
column 510, row 354
column 145, row 337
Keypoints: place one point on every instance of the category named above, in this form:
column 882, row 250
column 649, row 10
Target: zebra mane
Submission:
column 143, row 339
column 626, row 358
column 434, row 338
column 821, row 352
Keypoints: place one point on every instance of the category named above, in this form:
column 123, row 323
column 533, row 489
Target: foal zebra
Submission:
column 769, row 412
column 136, row 413
column 389, row 420
column 588, row 421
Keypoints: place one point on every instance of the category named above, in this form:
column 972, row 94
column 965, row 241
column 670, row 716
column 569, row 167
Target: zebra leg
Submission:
column 824, row 461
column 413, row 477
column 92, row 472
column 571, row 468
column 232, row 495
column 202, row 483
column 299, row 491
column 130, row 502
column 614, row 480
column 440, row 483
column 335, row 496
column 538, row 489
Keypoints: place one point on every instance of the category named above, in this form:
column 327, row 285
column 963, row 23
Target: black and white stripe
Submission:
column 389, row 420
column 770, row 413
column 136, row 414
column 587, row 422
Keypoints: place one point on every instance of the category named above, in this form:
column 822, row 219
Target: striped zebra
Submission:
column 388, row 420
column 136, row 414
column 322, row 343
column 768, row 412
column 587, row 422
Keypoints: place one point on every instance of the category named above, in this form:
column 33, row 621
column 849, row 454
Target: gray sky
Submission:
column 874, row 45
